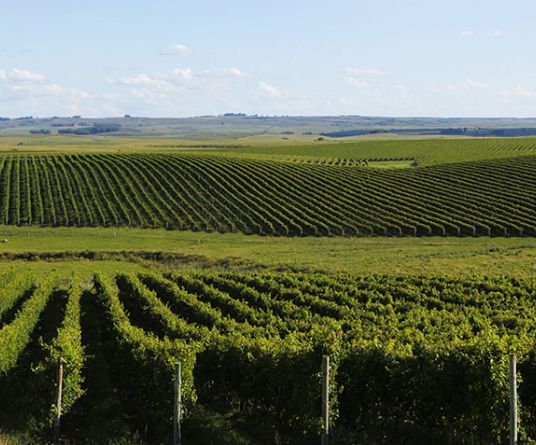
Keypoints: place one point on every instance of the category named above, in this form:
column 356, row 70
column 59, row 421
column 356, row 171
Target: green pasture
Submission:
column 449, row 256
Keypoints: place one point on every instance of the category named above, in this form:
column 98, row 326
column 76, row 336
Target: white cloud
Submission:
column 121, row 67
column 268, row 89
column 374, row 72
column 19, row 84
column 461, row 88
column 224, row 72
column 182, row 73
column 49, row 89
column 520, row 90
column 498, row 33
column 139, row 79
column 17, row 74
column 362, row 77
column 25, row 93
column 176, row 50
column 467, row 33
column 184, row 91
column 359, row 83
column 469, row 83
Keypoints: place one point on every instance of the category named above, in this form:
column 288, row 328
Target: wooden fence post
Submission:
column 325, row 400
column 58, row 402
column 177, row 438
column 513, row 400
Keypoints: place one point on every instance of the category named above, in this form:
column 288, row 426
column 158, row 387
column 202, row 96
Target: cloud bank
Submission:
column 176, row 50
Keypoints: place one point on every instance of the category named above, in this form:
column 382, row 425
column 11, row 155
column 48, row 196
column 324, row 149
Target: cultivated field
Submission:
column 413, row 358
column 410, row 263
column 227, row 194
column 422, row 151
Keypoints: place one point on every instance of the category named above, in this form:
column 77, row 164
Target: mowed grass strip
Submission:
column 112, row 249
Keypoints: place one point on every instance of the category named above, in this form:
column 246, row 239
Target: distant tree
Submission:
column 41, row 131
column 95, row 129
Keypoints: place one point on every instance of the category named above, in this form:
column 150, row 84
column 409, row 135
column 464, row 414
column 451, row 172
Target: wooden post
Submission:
column 513, row 400
column 325, row 400
column 177, row 439
column 58, row 402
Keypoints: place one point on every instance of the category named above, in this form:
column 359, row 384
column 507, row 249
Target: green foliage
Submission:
column 424, row 151
column 268, row 197
column 425, row 391
column 413, row 359
column 205, row 427
column 67, row 346
column 156, row 314
column 15, row 336
column 146, row 365
column 13, row 287
column 269, row 386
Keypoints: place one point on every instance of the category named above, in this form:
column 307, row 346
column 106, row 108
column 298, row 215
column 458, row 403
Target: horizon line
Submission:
column 288, row 116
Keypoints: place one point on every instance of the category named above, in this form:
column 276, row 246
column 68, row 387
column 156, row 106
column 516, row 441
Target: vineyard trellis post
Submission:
column 325, row 400
column 513, row 400
column 177, row 437
column 57, row 419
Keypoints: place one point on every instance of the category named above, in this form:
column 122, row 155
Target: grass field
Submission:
column 437, row 255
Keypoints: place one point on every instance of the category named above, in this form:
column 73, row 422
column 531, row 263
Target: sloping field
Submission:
column 411, row 356
column 423, row 151
column 216, row 193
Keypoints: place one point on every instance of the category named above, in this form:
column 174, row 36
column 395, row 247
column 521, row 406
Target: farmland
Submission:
column 410, row 263
column 87, row 249
column 251, row 344
column 424, row 151
column 227, row 194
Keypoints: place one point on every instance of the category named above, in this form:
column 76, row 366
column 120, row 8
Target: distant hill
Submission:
column 231, row 125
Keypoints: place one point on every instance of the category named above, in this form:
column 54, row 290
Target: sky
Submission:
column 163, row 58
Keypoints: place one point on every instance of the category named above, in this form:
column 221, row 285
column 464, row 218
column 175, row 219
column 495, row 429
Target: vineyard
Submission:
column 226, row 194
column 425, row 151
column 413, row 359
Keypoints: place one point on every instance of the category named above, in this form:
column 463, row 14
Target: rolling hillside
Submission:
column 424, row 151
column 215, row 193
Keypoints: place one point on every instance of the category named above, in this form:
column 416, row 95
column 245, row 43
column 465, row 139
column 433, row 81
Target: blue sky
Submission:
column 316, row 57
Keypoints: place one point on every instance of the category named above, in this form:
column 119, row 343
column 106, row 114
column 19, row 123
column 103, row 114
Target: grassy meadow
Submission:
column 375, row 255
